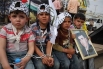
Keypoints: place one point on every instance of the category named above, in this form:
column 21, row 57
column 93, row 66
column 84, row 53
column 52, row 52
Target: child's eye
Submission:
column 21, row 16
column 78, row 21
column 69, row 21
column 14, row 16
column 46, row 14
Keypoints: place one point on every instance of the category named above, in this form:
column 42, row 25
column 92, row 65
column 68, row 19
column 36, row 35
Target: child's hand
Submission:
column 22, row 64
column 71, row 51
column 50, row 61
column 8, row 68
column 73, row 36
column 69, row 56
column 45, row 60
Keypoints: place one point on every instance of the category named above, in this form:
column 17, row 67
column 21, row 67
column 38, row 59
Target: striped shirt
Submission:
column 26, row 37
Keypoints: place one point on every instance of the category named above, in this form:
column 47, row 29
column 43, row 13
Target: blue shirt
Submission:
column 42, row 37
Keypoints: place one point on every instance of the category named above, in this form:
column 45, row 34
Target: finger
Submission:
column 18, row 64
column 22, row 67
column 44, row 62
column 52, row 62
column 50, row 65
column 70, row 56
column 21, row 64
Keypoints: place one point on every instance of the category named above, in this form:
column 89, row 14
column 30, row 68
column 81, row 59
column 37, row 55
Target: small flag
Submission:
column 24, row 1
column 53, row 22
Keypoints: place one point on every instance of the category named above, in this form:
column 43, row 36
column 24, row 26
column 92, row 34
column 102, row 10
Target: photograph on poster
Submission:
column 84, row 44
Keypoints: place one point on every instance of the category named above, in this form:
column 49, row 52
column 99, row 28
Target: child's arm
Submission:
column 42, row 55
column 3, row 57
column 72, row 36
column 61, row 49
column 57, row 47
column 38, row 51
column 48, row 53
column 31, row 47
column 49, row 49
column 28, row 56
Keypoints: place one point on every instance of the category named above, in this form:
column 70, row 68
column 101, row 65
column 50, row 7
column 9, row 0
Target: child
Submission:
column 63, row 44
column 41, row 30
column 16, row 39
column 78, row 23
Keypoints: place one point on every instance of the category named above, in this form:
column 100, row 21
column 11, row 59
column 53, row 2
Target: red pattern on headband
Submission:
column 24, row 1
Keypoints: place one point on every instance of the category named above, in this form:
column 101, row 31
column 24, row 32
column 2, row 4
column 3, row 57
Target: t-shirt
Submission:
column 26, row 37
column 42, row 37
column 73, row 6
column 57, row 4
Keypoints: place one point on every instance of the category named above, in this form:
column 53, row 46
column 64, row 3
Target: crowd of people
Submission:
column 32, row 45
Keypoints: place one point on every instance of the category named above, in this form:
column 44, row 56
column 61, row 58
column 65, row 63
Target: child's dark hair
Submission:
column 17, row 12
column 42, row 7
column 17, row 4
column 80, row 15
column 53, row 0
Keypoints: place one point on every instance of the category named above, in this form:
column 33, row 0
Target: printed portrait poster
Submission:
column 84, row 44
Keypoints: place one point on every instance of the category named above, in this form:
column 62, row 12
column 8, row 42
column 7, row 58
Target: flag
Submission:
column 52, row 12
column 24, row 1
column 53, row 26
column 31, row 5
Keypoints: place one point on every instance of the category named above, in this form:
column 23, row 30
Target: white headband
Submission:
column 46, row 9
column 22, row 7
column 61, row 17
column 59, row 20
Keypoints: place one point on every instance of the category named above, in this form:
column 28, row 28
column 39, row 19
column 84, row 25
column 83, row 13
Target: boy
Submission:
column 16, row 39
column 63, row 47
column 78, row 22
column 41, row 30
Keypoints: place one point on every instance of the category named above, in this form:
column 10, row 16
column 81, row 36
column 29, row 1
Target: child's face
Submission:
column 18, row 20
column 43, row 17
column 66, row 23
column 78, row 22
